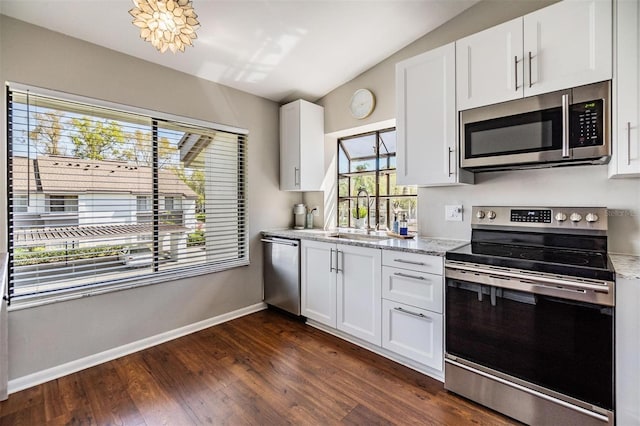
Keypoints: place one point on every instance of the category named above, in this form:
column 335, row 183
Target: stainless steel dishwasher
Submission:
column 281, row 273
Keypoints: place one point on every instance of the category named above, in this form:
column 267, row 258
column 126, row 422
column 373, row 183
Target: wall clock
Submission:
column 362, row 103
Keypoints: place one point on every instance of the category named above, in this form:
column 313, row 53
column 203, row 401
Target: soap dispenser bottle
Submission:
column 403, row 225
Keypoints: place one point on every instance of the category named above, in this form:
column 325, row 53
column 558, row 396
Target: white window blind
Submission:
column 101, row 198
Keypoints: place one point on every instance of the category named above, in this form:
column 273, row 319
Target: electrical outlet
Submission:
column 453, row 213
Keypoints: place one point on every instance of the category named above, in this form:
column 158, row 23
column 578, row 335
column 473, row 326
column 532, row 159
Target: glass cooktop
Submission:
column 562, row 261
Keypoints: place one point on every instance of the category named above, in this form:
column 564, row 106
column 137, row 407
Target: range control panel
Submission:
column 587, row 123
column 587, row 218
column 531, row 216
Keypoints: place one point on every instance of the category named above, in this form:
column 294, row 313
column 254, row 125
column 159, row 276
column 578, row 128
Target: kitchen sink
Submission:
column 358, row 237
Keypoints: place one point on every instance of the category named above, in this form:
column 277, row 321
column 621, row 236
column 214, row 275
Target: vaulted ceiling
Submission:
column 277, row 49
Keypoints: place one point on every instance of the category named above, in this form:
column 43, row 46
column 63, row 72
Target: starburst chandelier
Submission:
column 166, row 24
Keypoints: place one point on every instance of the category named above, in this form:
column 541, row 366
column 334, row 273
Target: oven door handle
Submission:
column 566, row 130
column 600, row 288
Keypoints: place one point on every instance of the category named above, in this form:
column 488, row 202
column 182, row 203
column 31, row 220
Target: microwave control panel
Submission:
column 587, row 126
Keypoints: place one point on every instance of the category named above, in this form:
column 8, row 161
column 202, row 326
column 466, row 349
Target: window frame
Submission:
column 154, row 277
column 63, row 203
column 377, row 198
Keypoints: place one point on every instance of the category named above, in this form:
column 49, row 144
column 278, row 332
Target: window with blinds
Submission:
column 101, row 197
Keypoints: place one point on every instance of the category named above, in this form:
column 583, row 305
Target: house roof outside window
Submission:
column 69, row 175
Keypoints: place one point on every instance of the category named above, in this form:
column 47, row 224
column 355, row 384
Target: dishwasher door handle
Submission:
column 281, row 242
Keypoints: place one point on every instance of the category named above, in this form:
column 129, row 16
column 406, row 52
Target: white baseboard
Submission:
column 33, row 379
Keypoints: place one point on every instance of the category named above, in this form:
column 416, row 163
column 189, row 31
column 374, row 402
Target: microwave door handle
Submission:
column 565, row 126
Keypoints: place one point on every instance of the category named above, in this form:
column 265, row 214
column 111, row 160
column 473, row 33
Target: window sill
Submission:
column 33, row 301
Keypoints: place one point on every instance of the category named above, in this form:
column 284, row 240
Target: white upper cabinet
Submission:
column 567, row 44
column 301, row 146
column 489, row 66
column 564, row 45
column 426, row 120
column 625, row 161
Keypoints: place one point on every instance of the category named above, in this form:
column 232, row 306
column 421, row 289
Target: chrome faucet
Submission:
column 361, row 190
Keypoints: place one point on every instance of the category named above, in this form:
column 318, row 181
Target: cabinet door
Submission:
column 627, row 349
column 412, row 332
column 570, row 44
column 311, row 172
column 489, row 66
column 626, row 87
column 290, row 147
column 318, row 286
column 359, row 292
column 426, row 119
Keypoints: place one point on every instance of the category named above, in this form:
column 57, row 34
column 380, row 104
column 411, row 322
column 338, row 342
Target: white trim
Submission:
column 35, row 300
column 33, row 379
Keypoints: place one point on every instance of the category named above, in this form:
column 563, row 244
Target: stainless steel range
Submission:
column 530, row 315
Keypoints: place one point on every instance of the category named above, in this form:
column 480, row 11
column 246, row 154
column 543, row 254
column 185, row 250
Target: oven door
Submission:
column 534, row 333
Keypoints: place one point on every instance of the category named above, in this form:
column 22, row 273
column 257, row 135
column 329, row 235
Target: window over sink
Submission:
column 368, row 161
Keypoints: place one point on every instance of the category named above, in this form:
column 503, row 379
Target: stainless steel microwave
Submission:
column 568, row 127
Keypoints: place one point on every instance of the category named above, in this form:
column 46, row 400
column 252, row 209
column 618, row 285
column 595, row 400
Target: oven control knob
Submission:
column 480, row 214
column 561, row 217
column 575, row 217
column 591, row 217
column 491, row 214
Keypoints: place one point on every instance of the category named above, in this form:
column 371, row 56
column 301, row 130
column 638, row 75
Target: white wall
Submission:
column 566, row 186
column 571, row 186
column 50, row 335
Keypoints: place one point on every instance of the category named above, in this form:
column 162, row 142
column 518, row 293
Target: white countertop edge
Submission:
column 627, row 266
column 433, row 246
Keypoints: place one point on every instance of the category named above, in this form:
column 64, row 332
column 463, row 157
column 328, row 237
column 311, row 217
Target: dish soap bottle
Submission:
column 403, row 225
column 396, row 226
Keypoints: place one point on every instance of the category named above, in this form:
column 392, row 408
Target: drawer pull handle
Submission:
column 628, row 143
column 411, row 262
column 415, row 314
column 415, row 277
column 515, row 61
column 331, row 268
column 530, row 76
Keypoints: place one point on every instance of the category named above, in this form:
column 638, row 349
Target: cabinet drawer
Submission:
column 412, row 288
column 413, row 333
column 413, row 261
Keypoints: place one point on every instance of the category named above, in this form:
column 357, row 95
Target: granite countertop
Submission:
column 421, row 245
column 626, row 266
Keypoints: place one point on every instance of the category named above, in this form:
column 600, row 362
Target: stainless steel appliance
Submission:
column 567, row 127
column 281, row 272
column 299, row 215
column 529, row 315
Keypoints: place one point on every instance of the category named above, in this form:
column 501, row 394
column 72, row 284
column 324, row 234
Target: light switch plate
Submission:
column 453, row 213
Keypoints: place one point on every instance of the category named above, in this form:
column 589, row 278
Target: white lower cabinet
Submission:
column 412, row 332
column 389, row 299
column 341, row 288
column 318, row 282
column 412, row 308
column 359, row 292
column 414, row 288
column 627, row 350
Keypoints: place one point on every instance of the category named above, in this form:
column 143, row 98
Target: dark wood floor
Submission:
column 260, row 369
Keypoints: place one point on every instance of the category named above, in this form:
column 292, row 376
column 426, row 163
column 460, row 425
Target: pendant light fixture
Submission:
column 166, row 24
